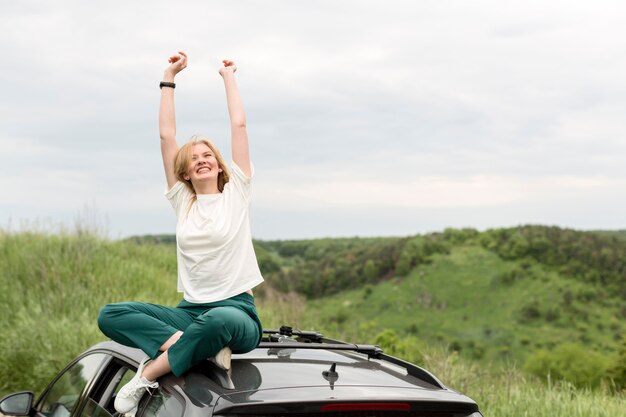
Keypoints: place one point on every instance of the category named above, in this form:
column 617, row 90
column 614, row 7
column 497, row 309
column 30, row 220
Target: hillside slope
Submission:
column 474, row 302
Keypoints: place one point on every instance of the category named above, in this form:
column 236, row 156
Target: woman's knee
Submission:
column 104, row 317
column 109, row 315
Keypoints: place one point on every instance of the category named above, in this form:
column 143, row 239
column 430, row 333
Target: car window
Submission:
column 93, row 409
column 100, row 404
column 162, row 404
column 61, row 397
column 101, row 398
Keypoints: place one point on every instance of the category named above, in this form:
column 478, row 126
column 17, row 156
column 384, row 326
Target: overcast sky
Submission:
column 365, row 118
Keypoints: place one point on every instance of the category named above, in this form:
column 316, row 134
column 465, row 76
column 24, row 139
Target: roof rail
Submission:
column 315, row 340
column 370, row 350
column 307, row 336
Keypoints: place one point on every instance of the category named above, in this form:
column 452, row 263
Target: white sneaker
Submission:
column 222, row 358
column 128, row 397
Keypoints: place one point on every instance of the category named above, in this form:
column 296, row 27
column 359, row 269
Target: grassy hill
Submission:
column 482, row 306
column 452, row 301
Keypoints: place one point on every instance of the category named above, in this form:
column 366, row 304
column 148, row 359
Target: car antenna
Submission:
column 331, row 376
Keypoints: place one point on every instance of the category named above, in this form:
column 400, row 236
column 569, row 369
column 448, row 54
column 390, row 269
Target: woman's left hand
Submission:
column 229, row 67
column 177, row 62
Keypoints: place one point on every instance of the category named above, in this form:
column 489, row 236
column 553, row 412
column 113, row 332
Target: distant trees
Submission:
column 418, row 251
column 321, row 267
column 587, row 256
column 325, row 266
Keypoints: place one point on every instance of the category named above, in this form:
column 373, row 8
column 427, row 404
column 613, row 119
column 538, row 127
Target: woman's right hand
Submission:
column 177, row 62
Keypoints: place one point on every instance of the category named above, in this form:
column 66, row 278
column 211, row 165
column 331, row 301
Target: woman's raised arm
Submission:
column 167, row 117
column 238, row 132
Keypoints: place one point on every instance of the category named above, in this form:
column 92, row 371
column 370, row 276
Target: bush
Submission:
column 455, row 346
column 370, row 270
column 403, row 266
column 418, row 250
column 511, row 276
column 387, row 339
column 368, row 289
column 459, row 236
column 516, row 247
column 529, row 312
column 569, row 362
column 406, row 348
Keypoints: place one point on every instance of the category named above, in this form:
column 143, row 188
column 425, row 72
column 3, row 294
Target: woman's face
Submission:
column 203, row 165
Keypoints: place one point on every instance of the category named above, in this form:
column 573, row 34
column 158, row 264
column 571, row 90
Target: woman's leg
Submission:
column 149, row 327
column 169, row 342
column 209, row 333
column 161, row 365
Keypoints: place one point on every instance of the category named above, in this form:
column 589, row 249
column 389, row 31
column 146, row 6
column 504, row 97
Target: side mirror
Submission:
column 17, row 404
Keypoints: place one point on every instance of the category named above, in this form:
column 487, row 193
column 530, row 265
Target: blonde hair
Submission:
column 184, row 158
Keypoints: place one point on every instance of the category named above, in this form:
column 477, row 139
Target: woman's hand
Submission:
column 177, row 62
column 228, row 68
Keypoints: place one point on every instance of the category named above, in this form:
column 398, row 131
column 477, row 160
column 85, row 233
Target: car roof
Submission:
column 297, row 366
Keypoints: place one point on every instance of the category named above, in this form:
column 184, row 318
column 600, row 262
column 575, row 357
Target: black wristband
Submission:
column 166, row 84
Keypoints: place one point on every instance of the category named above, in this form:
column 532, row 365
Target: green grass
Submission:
column 51, row 289
column 52, row 286
column 506, row 392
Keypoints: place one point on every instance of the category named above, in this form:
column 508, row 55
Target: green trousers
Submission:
column 207, row 328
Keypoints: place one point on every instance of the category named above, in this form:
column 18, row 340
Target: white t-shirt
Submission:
column 216, row 259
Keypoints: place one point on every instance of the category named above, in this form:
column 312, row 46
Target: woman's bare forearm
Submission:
column 237, row 115
column 236, row 112
column 167, row 117
column 167, row 114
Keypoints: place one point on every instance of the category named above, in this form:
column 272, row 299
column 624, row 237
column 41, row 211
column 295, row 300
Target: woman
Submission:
column 217, row 267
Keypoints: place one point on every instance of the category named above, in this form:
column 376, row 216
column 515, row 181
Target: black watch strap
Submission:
column 166, row 84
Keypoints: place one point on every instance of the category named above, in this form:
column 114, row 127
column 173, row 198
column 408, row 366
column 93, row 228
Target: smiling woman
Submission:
column 217, row 266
